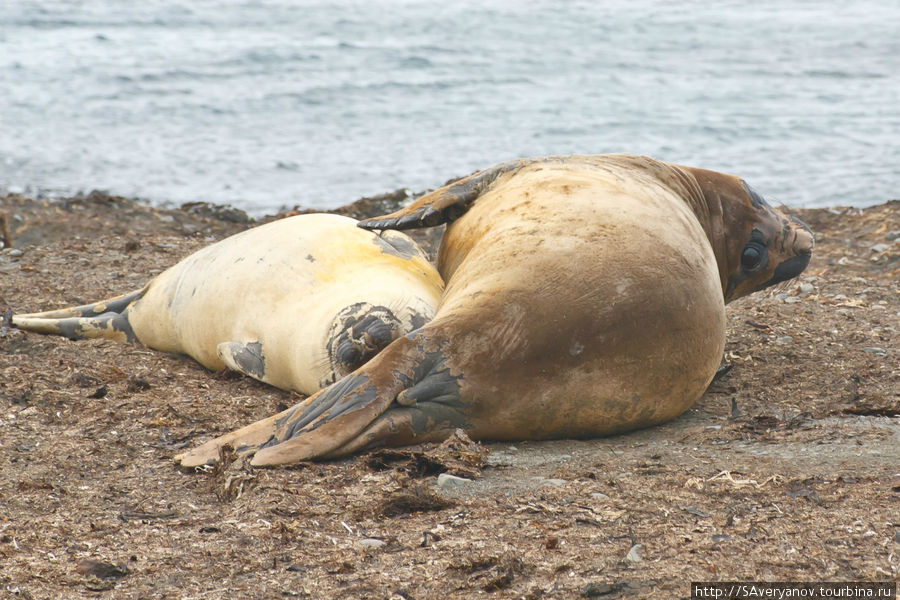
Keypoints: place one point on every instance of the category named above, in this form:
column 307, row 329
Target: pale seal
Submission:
column 585, row 296
column 297, row 303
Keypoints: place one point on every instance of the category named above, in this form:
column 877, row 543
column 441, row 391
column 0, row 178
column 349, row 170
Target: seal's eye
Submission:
column 752, row 257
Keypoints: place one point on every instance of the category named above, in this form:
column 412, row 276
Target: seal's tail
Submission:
column 106, row 319
column 405, row 395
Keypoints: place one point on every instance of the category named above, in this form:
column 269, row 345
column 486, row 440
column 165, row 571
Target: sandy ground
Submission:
column 788, row 468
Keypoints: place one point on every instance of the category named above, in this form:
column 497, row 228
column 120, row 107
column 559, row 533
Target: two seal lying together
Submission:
column 584, row 296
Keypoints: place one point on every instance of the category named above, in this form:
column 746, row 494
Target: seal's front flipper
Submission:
column 445, row 204
column 244, row 358
column 110, row 325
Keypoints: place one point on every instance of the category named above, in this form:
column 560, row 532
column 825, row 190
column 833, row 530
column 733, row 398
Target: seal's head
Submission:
column 756, row 245
column 775, row 247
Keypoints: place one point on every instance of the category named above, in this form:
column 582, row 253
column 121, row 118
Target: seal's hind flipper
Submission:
column 117, row 304
column 244, row 358
column 310, row 429
column 105, row 319
column 109, row 325
column 445, row 204
column 243, row 440
column 405, row 395
column 416, row 400
column 333, row 418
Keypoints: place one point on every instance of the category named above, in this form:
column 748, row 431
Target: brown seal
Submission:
column 585, row 296
column 297, row 303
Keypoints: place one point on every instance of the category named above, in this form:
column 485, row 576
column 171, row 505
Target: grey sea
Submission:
column 266, row 104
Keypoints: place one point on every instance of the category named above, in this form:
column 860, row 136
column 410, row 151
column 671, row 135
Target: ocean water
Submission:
column 266, row 104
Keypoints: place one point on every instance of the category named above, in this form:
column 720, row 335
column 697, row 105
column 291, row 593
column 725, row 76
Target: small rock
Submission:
column 137, row 384
column 595, row 590
column 785, row 339
column 892, row 235
column 792, row 300
column 695, row 511
column 870, row 350
column 15, row 252
column 373, row 543
column 512, row 449
column 634, row 554
column 446, row 481
column 782, row 296
column 27, row 412
column 599, row 496
column 879, row 307
column 807, row 288
column 100, row 569
column 879, row 247
column 100, row 392
column 554, row 482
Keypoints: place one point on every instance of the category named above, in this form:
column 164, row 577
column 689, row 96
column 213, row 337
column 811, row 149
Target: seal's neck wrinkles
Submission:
column 700, row 190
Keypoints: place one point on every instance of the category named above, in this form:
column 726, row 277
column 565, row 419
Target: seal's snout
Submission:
column 804, row 240
column 801, row 248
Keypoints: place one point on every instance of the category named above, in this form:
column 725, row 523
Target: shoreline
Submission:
column 216, row 216
column 391, row 198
